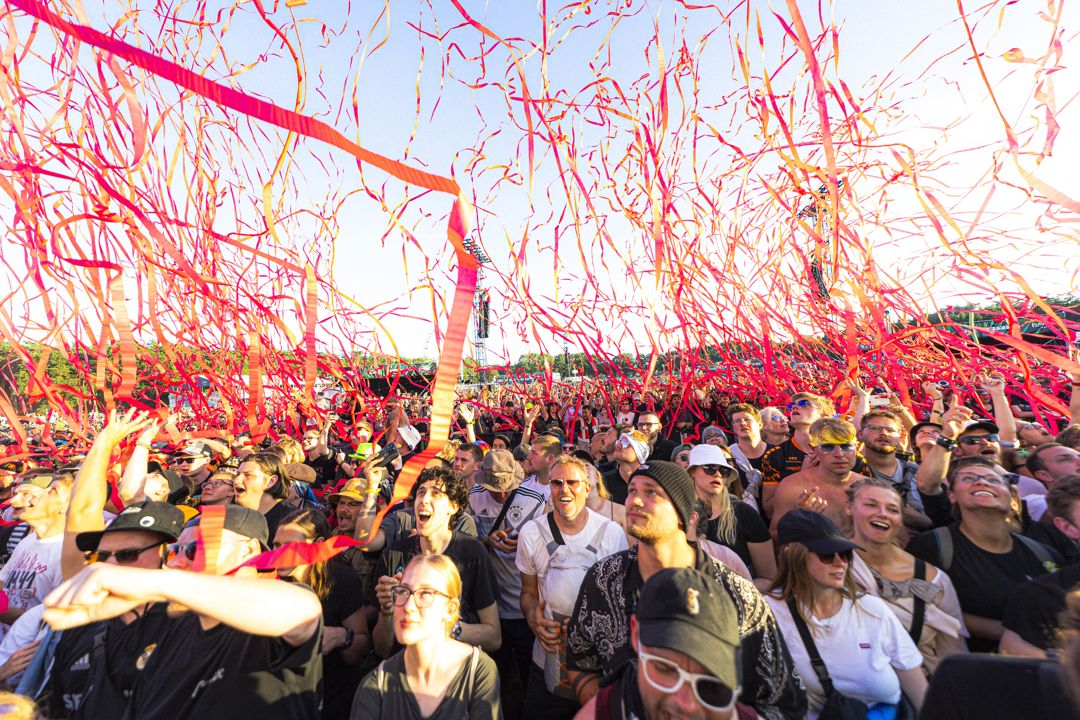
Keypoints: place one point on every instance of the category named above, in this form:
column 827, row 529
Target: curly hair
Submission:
column 450, row 484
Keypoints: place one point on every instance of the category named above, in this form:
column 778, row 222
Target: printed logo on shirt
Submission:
column 140, row 663
column 218, row 675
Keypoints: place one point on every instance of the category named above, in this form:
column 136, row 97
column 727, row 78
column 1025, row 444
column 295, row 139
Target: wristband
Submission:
column 143, row 445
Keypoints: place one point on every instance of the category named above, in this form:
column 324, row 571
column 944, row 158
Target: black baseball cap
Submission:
column 684, row 610
column 149, row 516
column 818, row 533
column 242, row 521
column 980, row 424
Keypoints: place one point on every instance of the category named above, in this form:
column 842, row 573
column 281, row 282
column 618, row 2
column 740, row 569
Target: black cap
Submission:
column 676, row 482
column 148, row 516
column 818, row 533
column 242, row 521
column 980, row 424
column 684, row 610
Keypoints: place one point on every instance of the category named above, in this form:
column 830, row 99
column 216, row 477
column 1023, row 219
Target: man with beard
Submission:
column 348, row 505
column 880, row 432
column 822, row 487
column 649, row 424
column 602, row 447
column 659, row 509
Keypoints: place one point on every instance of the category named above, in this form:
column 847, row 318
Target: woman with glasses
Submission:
column 345, row 640
column 866, row 655
column 434, row 677
column 774, row 425
column 980, row 550
column 921, row 596
column 731, row 523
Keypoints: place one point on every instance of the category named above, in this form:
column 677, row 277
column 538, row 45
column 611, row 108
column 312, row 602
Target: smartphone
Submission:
column 387, row 455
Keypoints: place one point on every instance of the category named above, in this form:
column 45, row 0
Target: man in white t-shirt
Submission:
column 501, row 504
column 554, row 552
column 33, row 570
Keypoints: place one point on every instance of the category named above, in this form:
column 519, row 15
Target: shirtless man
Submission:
column 822, row 484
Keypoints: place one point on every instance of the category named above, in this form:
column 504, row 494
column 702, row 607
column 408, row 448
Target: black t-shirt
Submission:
column 616, row 486
column 749, row 528
column 95, row 666
column 198, row 674
column 339, row 678
column 780, row 461
column 478, row 588
column 325, row 467
column 983, row 580
column 663, row 450
column 1034, row 609
column 990, row 687
column 275, row 515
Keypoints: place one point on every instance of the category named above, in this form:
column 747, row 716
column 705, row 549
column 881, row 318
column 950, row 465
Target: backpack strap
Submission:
column 1039, row 551
column 944, row 542
column 380, row 678
column 556, row 534
column 811, row 649
column 594, row 543
column 918, row 615
column 505, row 509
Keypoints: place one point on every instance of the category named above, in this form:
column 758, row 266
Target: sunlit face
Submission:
column 775, row 422
column 745, row 426
column 926, row 437
column 838, row 458
column 829, row 575
column 1033, row 434
column 539, row 461
column 28, row 499
column 881, row 435
column 147, row 545
column 977, row 442
column 412, row 623
column 569, row 490
column 465, row 464
column 433, row 509
column 188, row 465
column 218, row 490
column 1059, row 462
column 649, row 425
column 650, row 514
column 805, row 414
column 310, row 440
column 156, row 487
column 346, row 512
column 876, row 514
column 980, row 488
column 251, row 483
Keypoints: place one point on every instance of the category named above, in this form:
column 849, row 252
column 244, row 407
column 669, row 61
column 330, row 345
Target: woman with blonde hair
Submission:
column 852, row 653
column 434, row 677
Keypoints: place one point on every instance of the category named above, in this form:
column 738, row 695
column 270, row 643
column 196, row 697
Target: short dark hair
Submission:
column 743, row 408
column 474, row 450
column 1070, row 436
column 1034, row 460
column 1062, row 496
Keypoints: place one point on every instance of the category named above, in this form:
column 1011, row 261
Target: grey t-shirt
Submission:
column 385, row 693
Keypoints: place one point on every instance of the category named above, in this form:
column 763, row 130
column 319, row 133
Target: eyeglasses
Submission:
column 174, row 550
column 123, row 557
column 830, row 558
column 721, row 470
column 978, row 439
column 622, row 442
column 666, row 676
column 183, row 460
column 798, row 403
column 832, row 447
column 423, row 597
column 642, row 425
column 883, row 429
column 1030, row 426
column 572, row 484
column 216, row 483
column 989, row 478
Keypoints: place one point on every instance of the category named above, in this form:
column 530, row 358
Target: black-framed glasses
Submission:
column 798, row 403
column 830, row 558
column 122, row 557
column 215, row 483
column 666, row 676
column 174, row 550
column 978, row 439
column 423, row 597
column 832, row 447
column 722, row 470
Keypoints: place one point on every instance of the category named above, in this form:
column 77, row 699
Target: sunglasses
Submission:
column 622, row 442
column 182, row 461
column 830, row 558
column 123, row 557
column 798, row 403
column 978, row 439
column 173, row 551
column 668, row 677
column 832, row 447
column 572, row 484
column 721, row 470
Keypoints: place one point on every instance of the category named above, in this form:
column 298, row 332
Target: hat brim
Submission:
column 499, row 488
column 89, row 541
column 716, row 655
column 829, row 545
column 349, row 494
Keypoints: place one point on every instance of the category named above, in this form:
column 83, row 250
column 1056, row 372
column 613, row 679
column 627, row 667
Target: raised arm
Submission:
column 1003, row 416
column 860, row 400
column 935, row 462
column 1074, row 399
column 91, row 489
column 133, row 481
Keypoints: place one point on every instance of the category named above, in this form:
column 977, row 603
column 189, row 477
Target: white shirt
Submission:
column 532, row 553
column 860, row 646
column 33, row 570
column 24, row 631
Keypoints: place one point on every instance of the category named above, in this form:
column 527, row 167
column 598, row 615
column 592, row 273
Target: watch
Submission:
column 349, row 636
column 456, row 632
column 947, row 443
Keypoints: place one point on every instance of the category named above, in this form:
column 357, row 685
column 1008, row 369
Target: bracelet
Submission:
column 143, row 445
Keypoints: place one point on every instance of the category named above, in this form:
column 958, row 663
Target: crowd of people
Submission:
column 566, row 557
